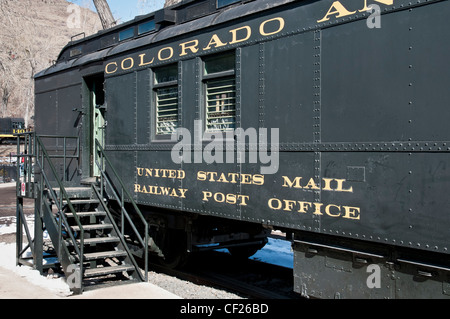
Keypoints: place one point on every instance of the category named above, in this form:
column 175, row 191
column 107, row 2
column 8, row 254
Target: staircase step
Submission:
column 76, row 192
column 86, row 214
column 96, row 241
column 82, row 201
column 104, row 254
column 89, row 181
column 93, row 272
column 93, row 227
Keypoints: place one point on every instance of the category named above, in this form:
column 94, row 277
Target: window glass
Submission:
column 223, row 3
column 126, row 34
column 166, row 74
column 75, row 52
column 220, row 63
column 146, row 27
column 18, row 125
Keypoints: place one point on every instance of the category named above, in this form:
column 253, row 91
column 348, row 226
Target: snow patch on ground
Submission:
column 53, row 283
column 277, row 252
column 8, row 225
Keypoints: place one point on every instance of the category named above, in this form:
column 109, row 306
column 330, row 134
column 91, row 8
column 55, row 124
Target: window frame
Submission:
column 213, row 77
column 154, row 90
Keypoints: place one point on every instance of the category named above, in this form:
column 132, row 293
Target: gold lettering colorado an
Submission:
column 267, row 28
column 338, row 10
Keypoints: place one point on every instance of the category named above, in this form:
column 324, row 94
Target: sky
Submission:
column 125, row 10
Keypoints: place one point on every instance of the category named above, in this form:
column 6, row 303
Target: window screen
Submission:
column 220, row 85
column 166, row 89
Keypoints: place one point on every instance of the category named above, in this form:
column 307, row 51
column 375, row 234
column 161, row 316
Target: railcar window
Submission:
column 223, row 3
column 166, row 88
column 220, row 63
column 220, row 85
column 146, row 27
column 126, row 34
column 75, row 52
column 18, row 125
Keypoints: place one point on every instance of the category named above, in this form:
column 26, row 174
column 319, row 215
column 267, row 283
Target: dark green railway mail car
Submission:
column 325, row 119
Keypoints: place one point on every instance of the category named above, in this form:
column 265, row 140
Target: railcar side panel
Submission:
column 68, row 124
column 158, row 181
column 143, row 111
column 46, row 114
column 361, row 175
column 121, row 113
column 342, row 125
column 275, row 202
column 373, row 100
column 288, row 91
column 189, row 96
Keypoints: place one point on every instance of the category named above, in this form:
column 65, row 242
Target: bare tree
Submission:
column 146, row 6
column 105, row 14
column 6, row 94
column 171, row 2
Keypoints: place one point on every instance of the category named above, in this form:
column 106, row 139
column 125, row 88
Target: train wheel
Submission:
column 175, row 250
column 174, row 261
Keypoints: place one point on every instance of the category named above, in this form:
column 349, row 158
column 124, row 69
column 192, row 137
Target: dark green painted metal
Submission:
column 43, row 161
column 111, row 182
column 49, row 188
column 309, row 82
column 368, row 106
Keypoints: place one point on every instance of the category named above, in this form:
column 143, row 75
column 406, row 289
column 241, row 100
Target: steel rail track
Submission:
column 249, row 278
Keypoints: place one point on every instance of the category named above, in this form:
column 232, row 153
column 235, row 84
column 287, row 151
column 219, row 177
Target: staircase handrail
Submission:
column 42, row 156
column 125, row 196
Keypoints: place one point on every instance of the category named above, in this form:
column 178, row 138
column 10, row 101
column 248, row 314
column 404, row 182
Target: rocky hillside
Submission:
column 32, row 33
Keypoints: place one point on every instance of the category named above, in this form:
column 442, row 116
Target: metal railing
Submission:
column 35, row 150
column 122, row 196
column 47, row 187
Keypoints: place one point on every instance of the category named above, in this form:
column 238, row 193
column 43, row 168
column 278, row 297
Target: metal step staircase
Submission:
column 76, row 224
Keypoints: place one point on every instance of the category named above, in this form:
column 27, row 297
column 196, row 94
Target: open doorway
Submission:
column 97, row 109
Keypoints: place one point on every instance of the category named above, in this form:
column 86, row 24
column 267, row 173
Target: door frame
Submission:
column 94, row 105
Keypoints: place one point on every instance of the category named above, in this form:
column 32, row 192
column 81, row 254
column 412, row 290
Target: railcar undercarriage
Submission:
column 175, row 236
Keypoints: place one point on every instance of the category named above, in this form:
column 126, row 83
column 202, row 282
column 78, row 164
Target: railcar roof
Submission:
column 182, row 18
